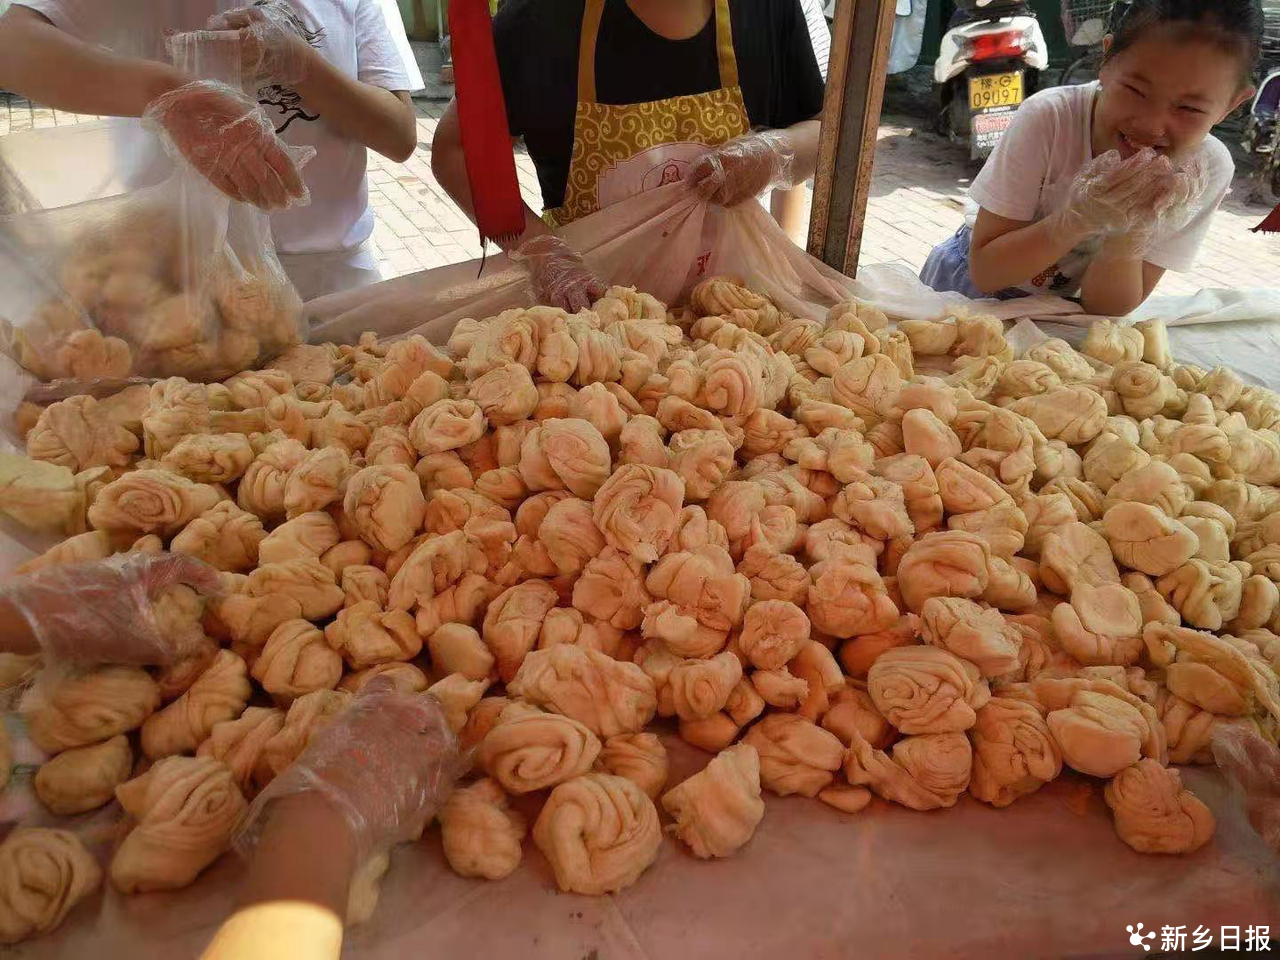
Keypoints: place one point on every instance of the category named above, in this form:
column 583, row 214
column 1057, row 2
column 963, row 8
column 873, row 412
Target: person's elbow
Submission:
column 442, row 149
column 401, row 135
column 983, row 273
column 400, row 148
column 446, row 149
column 404, row 138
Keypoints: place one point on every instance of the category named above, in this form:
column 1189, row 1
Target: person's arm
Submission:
column 744, row 167
column 372, row 778
column 1117, row 282
column 788, row 206
column 1252, row 763
column 803, row 139
column 1110, row 197
column 50, row 67
column 296, row 892
column 449, row 167
column 273, row 51
column 290, row 865
column 382, row 120
column 102, row 611
column 1004, row 253
column 557, row 272
column 804, row 69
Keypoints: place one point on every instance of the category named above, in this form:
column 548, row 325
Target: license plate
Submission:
column 995, row 90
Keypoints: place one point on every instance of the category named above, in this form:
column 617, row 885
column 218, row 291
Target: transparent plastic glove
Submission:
column 103, row 612
column 386, row 763
column 1254, row 764
column 744, row 167
column 224, row 135
column 1167, row 206
column 1112, row 196
column 272, row 42
column 560, row 278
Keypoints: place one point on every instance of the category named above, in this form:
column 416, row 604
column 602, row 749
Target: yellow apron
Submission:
column 622, row 150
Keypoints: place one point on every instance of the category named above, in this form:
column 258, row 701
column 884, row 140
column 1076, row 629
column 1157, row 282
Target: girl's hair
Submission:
column 1235, row 25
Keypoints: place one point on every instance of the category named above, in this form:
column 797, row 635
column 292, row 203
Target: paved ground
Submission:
column 917, row 201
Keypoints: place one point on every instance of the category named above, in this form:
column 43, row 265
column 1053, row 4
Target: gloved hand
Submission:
column 224, row 135
column 386, row 764
column 1254, row 764
column 105, row 611
column 744, row 167
column 1112, row 196
column 272, row 43
column 1172, row 198
column 560, row 277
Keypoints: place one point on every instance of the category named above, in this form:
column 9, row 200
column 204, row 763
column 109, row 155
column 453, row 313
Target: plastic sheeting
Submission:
column 1046, row 877
column 663, row 241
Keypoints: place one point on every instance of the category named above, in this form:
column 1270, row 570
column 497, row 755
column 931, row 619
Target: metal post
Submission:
column 850, row 119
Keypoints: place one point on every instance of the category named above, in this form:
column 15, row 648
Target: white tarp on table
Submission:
column 1239, row 329
column 1046, row 877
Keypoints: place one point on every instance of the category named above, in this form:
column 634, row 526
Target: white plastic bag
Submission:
column 174, row 280
column 663, row 241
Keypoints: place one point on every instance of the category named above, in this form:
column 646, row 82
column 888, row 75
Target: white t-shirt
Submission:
column 1030, row 172
column 357, row 36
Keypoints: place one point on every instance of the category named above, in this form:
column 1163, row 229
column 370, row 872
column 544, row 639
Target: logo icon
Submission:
column 1138, row 938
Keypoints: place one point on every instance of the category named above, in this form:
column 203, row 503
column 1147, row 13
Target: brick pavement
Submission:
column 918, row 190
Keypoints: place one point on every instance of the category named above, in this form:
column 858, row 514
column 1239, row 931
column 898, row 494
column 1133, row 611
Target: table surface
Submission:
column 1046, row 877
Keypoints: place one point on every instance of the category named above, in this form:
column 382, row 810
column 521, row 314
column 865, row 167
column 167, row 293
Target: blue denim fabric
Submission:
column 947, row 269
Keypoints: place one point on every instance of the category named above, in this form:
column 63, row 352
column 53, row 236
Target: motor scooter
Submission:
column 989, row 63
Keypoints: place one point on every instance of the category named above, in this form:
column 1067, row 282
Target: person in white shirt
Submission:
column 330, row 74
column 1096, row 190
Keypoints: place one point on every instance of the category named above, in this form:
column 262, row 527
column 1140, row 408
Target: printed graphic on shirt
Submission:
column 1053, row 279
column 283, row 106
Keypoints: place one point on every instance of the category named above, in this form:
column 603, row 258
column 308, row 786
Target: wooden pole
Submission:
column 850, row 119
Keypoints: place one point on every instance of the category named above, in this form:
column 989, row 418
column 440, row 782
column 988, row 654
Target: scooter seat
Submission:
column 969, row 11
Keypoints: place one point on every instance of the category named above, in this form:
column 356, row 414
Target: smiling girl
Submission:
column 1096, row 190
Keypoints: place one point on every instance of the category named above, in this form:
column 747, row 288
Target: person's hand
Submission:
column 1111, row 196
column 105, row 611
column 559, row 275
column 1254, row 764
column 744, row 168
column 386, row 764
column 1165, row 207
column 271, row 41
column 222, row 133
